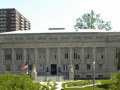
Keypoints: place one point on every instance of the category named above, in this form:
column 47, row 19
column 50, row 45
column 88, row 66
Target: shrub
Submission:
column 10, row 81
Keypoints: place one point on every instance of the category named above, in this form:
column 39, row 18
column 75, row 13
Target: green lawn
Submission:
column 104, row 86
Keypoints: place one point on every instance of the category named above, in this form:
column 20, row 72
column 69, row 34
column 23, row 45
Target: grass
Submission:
column 104, row 86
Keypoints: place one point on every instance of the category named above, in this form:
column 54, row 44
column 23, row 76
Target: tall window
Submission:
column 88, row 67
column 117, row 53
column 99, row 66
column 18, row 56
column 88, row 53
column 42, row 53
column 100, row 56
column 8, row 56
column 87, row 56
column 76, row 66
column 64, row 67
column 76, row 56
column 76, row 53
column 66, row 55
column 53, row 54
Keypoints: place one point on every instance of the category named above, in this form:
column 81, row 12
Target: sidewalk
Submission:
column 59, row 85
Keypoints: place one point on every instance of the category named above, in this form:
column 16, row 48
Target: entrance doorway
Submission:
column 53, row 69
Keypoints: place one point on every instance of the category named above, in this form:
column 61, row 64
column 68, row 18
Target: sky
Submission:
column 63, row 13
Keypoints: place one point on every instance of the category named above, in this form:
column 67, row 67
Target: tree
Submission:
column 115, row 85
column 92, row 21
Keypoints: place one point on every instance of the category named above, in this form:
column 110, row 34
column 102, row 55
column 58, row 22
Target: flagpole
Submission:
column 28, row 64
column 27, row 71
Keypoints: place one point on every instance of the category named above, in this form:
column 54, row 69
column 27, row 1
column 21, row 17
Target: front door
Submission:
column 53, row 69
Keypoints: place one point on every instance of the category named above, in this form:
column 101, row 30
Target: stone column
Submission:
column 58, row 65
column 71, row 70
column 47, row 68
column 1, row 61
column 13, row 60
column 71, row 55
column 59, row 56
column 47, row 56
column 36, row 57
column 25, row 59
column 82, row 59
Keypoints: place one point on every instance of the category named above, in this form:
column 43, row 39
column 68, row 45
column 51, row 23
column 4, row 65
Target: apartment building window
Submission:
column 19, row 56
column 88, row 67
column 76, row 66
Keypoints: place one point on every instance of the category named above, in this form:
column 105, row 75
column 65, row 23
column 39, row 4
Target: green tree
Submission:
column 92, row 21
column 115, row 85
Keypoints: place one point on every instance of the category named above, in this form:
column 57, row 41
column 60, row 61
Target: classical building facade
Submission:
column 54, row 52
column 12, row 20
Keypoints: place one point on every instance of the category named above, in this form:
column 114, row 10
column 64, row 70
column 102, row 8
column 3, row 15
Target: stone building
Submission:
column 53, row 52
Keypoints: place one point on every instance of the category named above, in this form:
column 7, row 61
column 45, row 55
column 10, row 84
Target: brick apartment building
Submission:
column 12, row 20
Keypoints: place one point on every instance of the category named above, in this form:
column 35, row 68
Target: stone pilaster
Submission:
column 36, row 57
column 82, row 59
column 13, row 59
column 1, row 61
column 25, row 59
column 71, row 55
column 59, row 51
column 71, row 70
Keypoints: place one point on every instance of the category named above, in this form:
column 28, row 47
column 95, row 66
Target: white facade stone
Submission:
column 53, row 53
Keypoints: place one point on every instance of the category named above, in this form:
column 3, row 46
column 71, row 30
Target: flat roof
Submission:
column 57, row 31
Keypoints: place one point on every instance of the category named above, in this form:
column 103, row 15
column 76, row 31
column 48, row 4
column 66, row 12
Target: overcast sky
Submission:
column 63, row 13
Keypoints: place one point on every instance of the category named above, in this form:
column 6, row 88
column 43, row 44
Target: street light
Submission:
column 93, row 75
column 58, row 72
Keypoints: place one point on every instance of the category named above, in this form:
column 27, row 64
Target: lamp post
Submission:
column 58, row 72
column 93, row 75
column 46, row 73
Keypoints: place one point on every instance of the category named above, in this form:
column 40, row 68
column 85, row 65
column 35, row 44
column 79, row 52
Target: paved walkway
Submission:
column 59, row 85
column 53, row 78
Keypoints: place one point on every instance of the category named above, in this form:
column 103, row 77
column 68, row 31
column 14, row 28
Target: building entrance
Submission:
column 53, row 69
